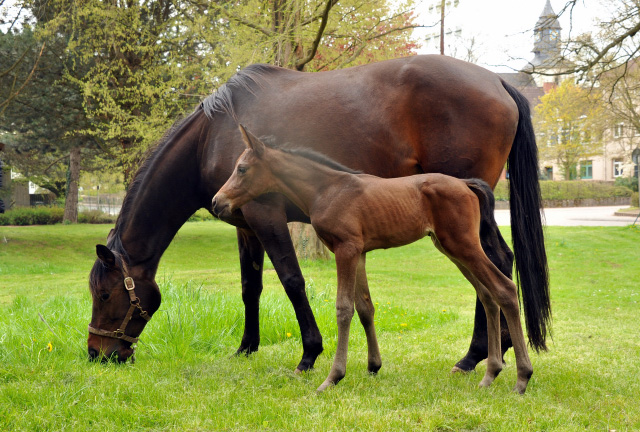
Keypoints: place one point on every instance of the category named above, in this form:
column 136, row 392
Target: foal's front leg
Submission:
column 347, row 263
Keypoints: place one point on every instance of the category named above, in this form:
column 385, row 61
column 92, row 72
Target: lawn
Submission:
column 185, row 377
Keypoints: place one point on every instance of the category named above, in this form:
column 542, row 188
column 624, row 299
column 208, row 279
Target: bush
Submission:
column 96, row 217
column 48, row 216
column 628, row 182
column 201, row 215
column 569, row 190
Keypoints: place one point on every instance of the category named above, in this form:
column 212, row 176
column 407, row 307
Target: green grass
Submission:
column 185, row 377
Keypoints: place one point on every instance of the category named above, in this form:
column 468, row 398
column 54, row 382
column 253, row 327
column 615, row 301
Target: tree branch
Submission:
column 12, row 96
column 316, row 42
column 244, row 21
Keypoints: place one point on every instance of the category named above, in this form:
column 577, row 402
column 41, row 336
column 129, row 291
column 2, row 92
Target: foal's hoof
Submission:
column 324, row 386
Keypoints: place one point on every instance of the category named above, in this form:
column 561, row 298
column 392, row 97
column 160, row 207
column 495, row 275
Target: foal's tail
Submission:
column 489, row 233
column 526, row 226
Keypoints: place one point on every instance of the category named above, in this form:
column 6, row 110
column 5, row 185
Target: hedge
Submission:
column 569, row 190
column 49, row 216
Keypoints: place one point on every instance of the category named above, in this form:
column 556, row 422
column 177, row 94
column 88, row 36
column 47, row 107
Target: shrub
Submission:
column 569, row 190
column 201, row 215
column 628, row 182
column 49, row 216
column 96, row 217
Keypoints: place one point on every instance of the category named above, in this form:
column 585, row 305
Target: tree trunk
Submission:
column 306, row 243
column 71, row 200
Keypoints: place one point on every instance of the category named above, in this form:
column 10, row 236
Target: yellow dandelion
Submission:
column 49, row 347
column 444, row 310
column 288, row 334
column 403, row 324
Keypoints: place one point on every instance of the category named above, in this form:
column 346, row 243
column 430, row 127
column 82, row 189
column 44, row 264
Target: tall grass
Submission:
column 186, row 378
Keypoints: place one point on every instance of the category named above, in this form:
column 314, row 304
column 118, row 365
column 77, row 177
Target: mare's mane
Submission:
column 222, row 99
column 114, row 240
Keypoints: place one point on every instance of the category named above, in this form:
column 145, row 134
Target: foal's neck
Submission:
column 305, row 181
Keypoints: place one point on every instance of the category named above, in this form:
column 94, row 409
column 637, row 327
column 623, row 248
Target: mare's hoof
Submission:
column 456, row 370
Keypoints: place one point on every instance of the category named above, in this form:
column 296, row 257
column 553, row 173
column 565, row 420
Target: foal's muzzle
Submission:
column 220, row 206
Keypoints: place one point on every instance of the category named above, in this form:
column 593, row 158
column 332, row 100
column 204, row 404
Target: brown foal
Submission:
column 354, row 213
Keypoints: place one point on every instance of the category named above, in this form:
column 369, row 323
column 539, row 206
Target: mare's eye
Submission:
column 242, row 170
column 104, row 296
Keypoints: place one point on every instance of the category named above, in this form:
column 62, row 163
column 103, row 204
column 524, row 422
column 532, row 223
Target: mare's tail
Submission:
column 526, row 226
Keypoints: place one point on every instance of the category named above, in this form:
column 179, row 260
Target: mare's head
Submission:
column 123, row 301
column 251, row 177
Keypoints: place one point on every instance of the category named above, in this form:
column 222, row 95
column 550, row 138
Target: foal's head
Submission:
column 251, row 177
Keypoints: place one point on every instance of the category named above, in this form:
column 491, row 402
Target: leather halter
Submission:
column 134, row 301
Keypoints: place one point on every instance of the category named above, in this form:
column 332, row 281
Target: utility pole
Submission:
column 442, row 28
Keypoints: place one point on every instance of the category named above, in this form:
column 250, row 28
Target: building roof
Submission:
column 525, row 83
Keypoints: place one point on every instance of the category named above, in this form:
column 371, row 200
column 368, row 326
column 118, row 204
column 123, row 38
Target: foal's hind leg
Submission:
column 501, row 256
column 503, row 291
column 492, row 313
column 366, row 311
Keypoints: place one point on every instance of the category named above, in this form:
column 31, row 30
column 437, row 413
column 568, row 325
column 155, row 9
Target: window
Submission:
column 618, row 169
column 586, row 169
column 548, row 173
column 618, row 130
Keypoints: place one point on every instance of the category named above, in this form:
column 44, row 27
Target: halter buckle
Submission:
column 129, row 284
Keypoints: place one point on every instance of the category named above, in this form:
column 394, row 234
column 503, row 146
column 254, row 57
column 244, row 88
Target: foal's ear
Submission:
column 251, row 141
column 105, row 255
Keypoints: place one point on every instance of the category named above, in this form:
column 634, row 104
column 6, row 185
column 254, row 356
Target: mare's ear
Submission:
column 251, row 141
column 105, row 255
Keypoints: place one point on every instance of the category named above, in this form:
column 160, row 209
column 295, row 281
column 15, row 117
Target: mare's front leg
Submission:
column 366, row 311
column 251, row 263
column 347, row 258
column 267, row 218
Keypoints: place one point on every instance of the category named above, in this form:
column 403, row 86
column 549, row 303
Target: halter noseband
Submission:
column 134, row 301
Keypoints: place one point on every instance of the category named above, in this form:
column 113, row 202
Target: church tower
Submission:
column 547, row 45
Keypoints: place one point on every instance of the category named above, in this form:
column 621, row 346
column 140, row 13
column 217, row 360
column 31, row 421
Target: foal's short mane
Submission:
column 222, row 100
column 313, row 156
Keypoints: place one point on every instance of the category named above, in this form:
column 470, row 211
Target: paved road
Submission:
column 577, row 216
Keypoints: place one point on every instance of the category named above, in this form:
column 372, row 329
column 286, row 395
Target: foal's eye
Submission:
column 104, row 296
column 242, row 170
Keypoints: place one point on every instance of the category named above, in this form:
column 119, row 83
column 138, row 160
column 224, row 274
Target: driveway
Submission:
column 577, row 216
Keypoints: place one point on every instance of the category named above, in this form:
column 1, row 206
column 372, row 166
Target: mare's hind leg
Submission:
column 366, row 312
column 251, row 261
column 501, row 256
column 269, row 222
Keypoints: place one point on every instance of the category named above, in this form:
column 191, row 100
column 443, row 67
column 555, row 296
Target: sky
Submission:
column 503, row 29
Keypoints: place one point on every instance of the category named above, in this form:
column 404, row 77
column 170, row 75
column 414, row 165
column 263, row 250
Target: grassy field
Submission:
column 185, row 378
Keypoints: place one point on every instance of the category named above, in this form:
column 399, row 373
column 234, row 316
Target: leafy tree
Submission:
column 40, row 120
column 568, row 122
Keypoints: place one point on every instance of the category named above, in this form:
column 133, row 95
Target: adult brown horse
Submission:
column 395, row 118
column 354, row 213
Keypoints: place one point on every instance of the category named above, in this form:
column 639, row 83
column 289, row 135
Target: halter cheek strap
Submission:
column 134, row 303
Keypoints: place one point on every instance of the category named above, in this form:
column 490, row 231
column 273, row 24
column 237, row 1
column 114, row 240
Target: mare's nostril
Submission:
column 93, row 353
